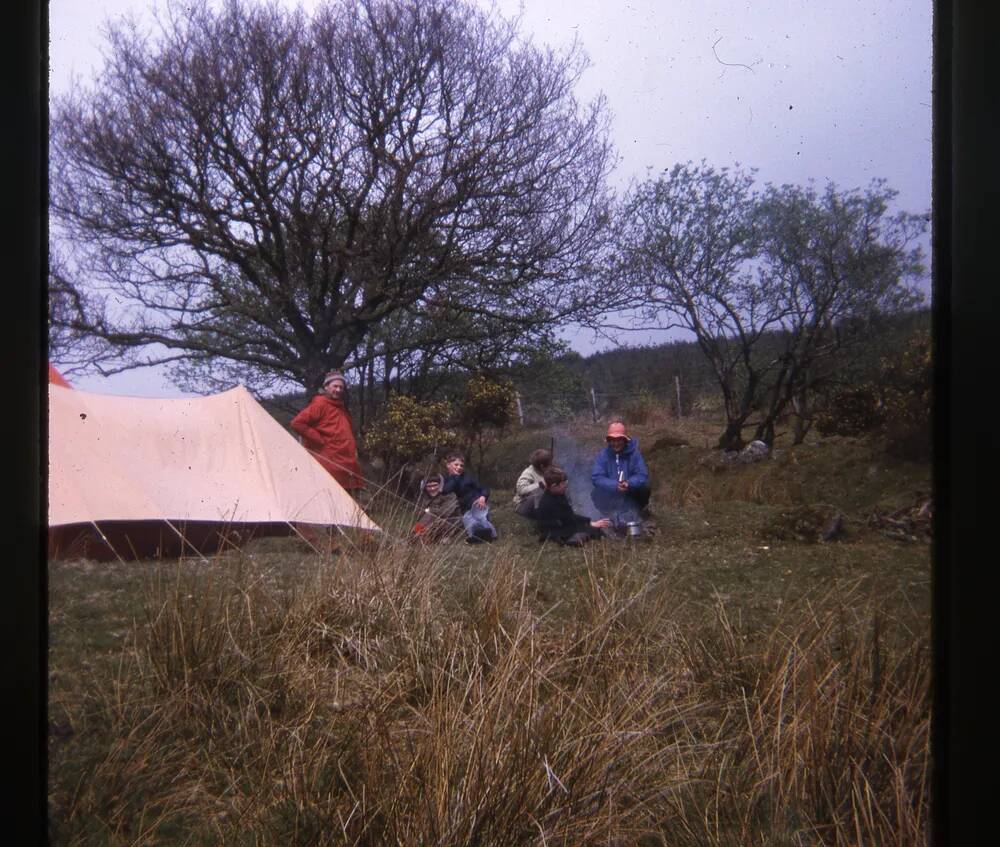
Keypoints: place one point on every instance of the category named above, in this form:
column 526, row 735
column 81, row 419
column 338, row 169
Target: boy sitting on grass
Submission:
column 556, row 519
column 531, row 483
column 472, row 499
column 441, row 517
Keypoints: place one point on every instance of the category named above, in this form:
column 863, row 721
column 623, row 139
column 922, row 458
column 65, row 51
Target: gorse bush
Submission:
column 896, row 405
column 483, row 414
column 486, row 403
column 907, row 385
column 852, row 412
column 407, row 430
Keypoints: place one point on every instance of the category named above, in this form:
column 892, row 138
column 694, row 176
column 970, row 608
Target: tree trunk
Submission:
column 731, row 438
column 765, row 431
column 803, row 419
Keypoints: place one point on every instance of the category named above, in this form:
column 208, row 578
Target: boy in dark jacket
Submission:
column 556, row 519
column 441, row 517
column 472, row 499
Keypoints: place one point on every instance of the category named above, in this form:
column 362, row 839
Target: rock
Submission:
column 755, row 451
column 834, row 527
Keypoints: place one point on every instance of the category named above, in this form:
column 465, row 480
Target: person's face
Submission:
column 456, row 466
column 618, row 444
column 433, row 488
column 559, row 487
column 334, row 388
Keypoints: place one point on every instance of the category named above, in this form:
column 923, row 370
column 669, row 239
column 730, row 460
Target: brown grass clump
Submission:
column 764, row 483
column 404, row 698
column 823, row 737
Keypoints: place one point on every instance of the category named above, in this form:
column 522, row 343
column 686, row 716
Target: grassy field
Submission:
column 730, row 681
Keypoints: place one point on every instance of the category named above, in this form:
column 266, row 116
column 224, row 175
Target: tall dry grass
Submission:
column 398, row 698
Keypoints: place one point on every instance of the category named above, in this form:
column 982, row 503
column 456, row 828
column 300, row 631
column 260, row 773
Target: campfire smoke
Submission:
column 576, row 459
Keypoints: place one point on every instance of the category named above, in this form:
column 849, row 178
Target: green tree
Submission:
column 842, row 263
column 771, row 284
column 551, row 384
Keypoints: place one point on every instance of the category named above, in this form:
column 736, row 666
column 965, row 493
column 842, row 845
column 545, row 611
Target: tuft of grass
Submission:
column 400, row 697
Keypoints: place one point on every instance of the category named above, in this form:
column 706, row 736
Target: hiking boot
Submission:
column 577, row 539
column 474, row 539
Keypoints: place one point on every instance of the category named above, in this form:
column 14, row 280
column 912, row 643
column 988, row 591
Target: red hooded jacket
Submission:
column 327, row 432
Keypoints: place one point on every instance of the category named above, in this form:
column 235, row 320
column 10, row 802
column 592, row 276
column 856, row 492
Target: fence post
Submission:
column 520, row 411
column 593, row 402
column 677, row 385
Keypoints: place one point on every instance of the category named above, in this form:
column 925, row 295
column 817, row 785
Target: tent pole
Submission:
column 347, row 538
column 184, row 541
column 104, row 538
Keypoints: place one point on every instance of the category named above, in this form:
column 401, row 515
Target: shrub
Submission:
column 907, row 383
column 407, row 430
column 487, row 403
column 484, row 412
column 852, row 412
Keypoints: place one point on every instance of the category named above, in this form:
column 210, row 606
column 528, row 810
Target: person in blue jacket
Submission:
column 621, row 481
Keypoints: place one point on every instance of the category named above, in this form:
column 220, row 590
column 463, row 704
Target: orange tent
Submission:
column 57, row 378
column 187, row 467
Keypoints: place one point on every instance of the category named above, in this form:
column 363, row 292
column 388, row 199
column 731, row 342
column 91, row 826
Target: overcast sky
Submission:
column 801, row 89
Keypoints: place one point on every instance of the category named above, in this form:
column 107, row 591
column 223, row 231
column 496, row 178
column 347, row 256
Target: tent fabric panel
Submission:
column 57, row 378
column 217, row 458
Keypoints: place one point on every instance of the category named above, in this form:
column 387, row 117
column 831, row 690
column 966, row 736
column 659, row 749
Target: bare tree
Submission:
column 73, row 348
column 257, row 190
column 770, row 284
column 410, row 353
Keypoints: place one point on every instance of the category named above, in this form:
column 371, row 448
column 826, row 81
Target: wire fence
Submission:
column 679, row 398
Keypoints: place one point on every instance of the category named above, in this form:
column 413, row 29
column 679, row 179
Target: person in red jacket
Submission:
column 328, row 433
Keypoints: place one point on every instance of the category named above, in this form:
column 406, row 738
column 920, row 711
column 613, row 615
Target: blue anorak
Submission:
column 608, row 465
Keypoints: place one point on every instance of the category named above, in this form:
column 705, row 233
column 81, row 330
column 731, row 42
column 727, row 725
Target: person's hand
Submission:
column 480, row 503
column 623, row 485
column 601, row 523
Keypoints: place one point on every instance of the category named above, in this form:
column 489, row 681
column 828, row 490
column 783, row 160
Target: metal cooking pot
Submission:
column 633, row 529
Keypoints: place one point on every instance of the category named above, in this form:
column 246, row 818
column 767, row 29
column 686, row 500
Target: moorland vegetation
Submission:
column 736, row 679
